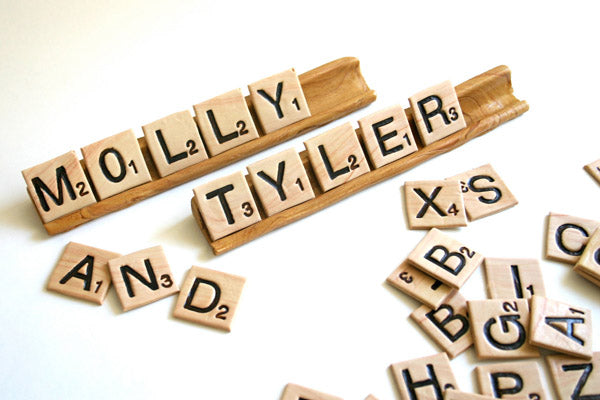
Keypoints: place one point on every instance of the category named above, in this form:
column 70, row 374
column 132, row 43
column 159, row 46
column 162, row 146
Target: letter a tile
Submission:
column 336, row 156
column 297, row 392
column 58, row 187
column 115, row 164
column 567, row 236
column 209, row 297
column 82, row 272
column 280, row 181
column 278, row 100
column 511, row 380
column 500, row 328
column 445, row 259
column 437, row 112
column 225, row 122
column 434, row 204
column 561, row 327
column 484, row 192
column 387, row 136
column 142, row 277
column 448, row 325
column 174, row 142
column 424, row 378
column 513, row 278
column 574, row 378
column 226, row 205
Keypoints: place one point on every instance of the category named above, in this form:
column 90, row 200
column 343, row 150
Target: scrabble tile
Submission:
column 500, row 328
column 387, row 135
column 567, row 236
column 174, row 142
column 594, row 170
column 437, row 112
column 419, row 285
column 574, row 378
column 484, row 192
column 456, row 395
column 444, row 258
column 58, row 187
column 513, row 278
column 225, row 122
column 511, row 380
column 278, row 100
column 434, row 204
column 142, row 277
column 297, row 392
column 115, row 164
column 209, row 297
column 280, row 181
column 589, row 262
column 82, row 272
column 590, row 278
column 226, row 205
column 424, row 378
column 561, row 327
column 448, row 325
column 336, row 156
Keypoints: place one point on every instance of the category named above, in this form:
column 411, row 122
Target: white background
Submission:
column 315, row 309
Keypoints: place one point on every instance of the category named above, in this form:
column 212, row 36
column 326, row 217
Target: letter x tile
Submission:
column 432, row 204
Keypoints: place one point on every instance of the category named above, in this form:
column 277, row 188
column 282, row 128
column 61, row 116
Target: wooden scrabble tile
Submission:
column 280, row 181
column 336, row 156
column 434, row 204
column 297, row 392
column 437, row 112
column 82, row 272
column 457, row 395
column 225, row 122
column 513, row 278
column 115, row 164
column 484, row 192
column 561, row 327
column 574, row 378
column 58, row 187
column 424, row 378
column 594, row 170
column 589, row 262
column 500, row 328
column 174, row 142
column 387, row 135
column 567, row 236
column 209, row 297
column 448, row 325
column 419, row 285
column 445, row 259
column 511, row 380
column 278, row 100
column 590, row 278
column 226, row 205
column 142, row 277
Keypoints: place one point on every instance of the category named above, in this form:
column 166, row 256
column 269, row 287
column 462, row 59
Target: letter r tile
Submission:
column 58, row 187
column 444, row 258
column 278, row 100
column 226, row 205
column 434, row 204
column 209, row 297
column 437, row 112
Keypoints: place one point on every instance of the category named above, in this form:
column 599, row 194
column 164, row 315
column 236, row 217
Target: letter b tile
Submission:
column 209, row 297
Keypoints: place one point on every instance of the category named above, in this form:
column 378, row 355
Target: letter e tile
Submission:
column 115, row 164
column 142, row 277
column 58, row 187
column 336, row 156
column 209, row 297
column 82, row 272
column 278, row 100
column 226, row 205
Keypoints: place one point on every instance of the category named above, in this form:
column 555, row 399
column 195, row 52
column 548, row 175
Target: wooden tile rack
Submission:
column 487, row 101
column 332, row 91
